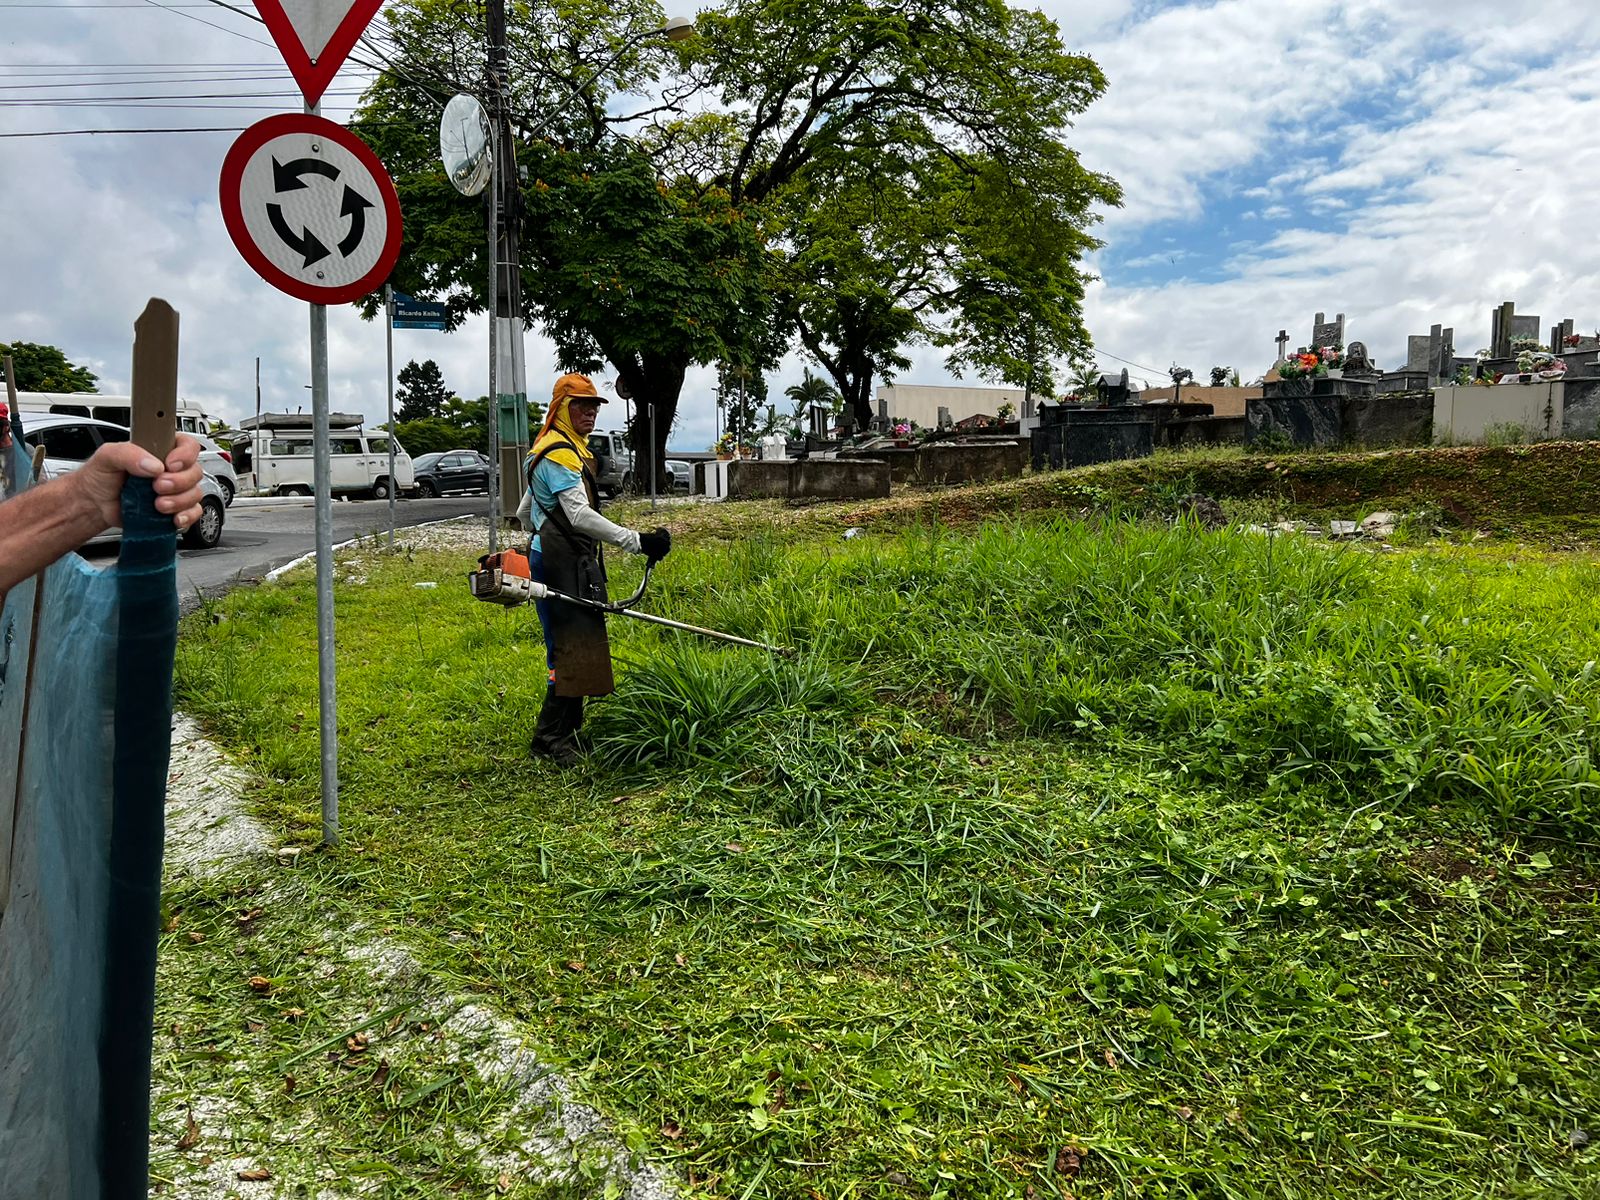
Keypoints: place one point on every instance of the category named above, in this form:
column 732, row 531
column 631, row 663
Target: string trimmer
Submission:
column 506, row 578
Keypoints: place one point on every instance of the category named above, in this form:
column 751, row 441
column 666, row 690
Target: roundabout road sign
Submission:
column 311, row 208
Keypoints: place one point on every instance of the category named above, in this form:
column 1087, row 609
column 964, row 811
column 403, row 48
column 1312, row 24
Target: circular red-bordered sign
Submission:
column 311, row 208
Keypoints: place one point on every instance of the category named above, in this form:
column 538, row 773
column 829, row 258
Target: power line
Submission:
column 80, row 132
column 1130, row 362
column 124, row 67
column 149, row 106
column 80, row 101
column 213, row 24
column 144, row 81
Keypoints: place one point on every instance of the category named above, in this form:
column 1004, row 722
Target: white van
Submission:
column 116, row 409
column 275, row 458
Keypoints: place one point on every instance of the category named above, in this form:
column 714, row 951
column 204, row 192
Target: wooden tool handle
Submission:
column 155, row 378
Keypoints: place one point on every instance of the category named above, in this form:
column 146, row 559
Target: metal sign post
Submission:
column 322, row 473
column 494, row 365
column 388, row 378
column 313, row 211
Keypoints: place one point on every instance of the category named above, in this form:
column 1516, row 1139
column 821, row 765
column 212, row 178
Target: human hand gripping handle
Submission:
column 99, row 481
column 656, row 544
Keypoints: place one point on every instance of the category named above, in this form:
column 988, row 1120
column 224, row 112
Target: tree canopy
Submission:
column 845, row 172
column 46, row 369
column 421, row 390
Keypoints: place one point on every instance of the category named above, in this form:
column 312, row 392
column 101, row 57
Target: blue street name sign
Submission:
column 417, row 314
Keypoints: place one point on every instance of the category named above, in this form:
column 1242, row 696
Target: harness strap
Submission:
column 562, row 522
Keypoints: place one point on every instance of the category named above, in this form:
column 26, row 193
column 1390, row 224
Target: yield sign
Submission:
column 315, row 36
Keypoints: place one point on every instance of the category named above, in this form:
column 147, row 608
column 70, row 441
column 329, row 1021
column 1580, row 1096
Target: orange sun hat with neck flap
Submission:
column 557, row 427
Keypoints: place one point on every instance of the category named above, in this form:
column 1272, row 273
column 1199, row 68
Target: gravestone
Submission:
column 1441, row 354
column 1357, row 363
column 944, row 417
column 1505, row 326
column 1117, row 393
column 1419, row 352
column 1432, row 355
column 1327, row 333
column 818, row 417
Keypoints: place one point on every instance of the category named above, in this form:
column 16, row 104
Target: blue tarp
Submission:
column 85, row 733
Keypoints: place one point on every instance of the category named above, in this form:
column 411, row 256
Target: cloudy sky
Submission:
column 1404, row 164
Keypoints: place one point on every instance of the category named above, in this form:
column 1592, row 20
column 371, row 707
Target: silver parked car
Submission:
column 69, row 442
column 218, row 463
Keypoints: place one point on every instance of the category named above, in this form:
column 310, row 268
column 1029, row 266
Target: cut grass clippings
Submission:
column 1107, row 861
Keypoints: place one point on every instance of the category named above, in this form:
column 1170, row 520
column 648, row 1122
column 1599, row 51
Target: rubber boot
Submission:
column 553, row 734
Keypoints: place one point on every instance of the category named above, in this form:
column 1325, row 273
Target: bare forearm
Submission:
column 41, row 525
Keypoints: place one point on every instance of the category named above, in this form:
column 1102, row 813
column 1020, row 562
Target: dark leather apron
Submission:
column 573, row 564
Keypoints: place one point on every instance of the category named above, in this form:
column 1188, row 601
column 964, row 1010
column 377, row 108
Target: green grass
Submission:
column 1107, row 860
column 1548, row 492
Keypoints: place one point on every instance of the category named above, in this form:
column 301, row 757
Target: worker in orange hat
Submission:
column 563, row 502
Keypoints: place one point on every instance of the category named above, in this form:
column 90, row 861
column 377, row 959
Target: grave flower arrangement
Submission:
column 1536, row 360
column 902, row 429
column 1303, row 366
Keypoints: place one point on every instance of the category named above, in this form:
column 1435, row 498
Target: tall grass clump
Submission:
column 1268, row 659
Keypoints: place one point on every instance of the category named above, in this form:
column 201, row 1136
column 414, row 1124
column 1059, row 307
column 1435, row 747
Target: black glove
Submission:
column 656, row 544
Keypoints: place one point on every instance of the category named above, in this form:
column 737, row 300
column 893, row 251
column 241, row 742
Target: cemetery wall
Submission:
column 1220, row 430
column 1580, row 418
column 978, row 462
column 902, row 460
column 838, row 479
column 808, row 479
column 1467, row 414
column 1337, row 419
column 756, row 479
column 1390, row 419
column 1312, row 421
column 1091, row 442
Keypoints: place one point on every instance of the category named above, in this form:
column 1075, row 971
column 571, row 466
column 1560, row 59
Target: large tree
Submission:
column 879, row 136
column 1016, row 289
column 46, row 369
column 764, row 170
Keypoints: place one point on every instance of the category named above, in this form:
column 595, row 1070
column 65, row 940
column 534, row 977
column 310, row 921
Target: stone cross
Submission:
column 1283, row 343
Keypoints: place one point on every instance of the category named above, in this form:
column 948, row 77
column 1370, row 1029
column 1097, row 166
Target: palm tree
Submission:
column 1082, row 378
column 811, row 390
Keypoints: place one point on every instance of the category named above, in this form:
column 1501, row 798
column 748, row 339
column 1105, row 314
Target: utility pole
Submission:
column 508, row 400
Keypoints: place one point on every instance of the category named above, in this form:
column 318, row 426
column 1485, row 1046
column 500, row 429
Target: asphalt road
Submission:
column 258, row 535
